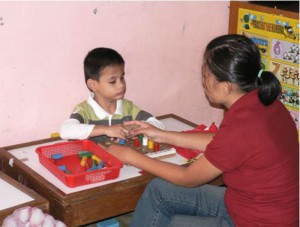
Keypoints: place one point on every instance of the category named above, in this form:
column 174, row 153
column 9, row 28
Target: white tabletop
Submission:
column 11, row 196
column 29, row 157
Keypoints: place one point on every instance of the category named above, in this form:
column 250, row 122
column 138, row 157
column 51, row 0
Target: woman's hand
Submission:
column 140, row 127
column 123, row 153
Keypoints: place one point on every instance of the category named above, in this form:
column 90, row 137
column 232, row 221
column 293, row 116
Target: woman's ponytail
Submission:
column 269, row 87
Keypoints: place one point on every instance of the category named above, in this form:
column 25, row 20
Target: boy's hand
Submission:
column 117, row 131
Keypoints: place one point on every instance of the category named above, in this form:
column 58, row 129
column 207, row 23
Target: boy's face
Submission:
column 111, row 85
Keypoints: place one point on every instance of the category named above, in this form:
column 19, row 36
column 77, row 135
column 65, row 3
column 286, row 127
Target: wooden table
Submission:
column 23, row 197
column 90, row 205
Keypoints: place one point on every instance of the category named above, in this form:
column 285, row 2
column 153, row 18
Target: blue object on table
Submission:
column 92, row 168
column 121, row 141
column 101, row 165
column 63, row 168
column 108, row 223
column 57, row 156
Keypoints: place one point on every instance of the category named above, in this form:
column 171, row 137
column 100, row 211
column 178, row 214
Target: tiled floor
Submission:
column 123, row 220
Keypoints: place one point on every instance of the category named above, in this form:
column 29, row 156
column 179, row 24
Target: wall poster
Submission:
column 277, row 38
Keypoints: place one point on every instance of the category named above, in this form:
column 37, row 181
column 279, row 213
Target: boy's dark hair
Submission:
column 99, row 58
column 236, row 59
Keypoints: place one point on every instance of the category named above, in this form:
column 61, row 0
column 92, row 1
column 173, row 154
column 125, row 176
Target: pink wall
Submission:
column 43, row 44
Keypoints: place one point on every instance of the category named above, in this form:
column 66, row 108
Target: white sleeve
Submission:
column 158, row 124
column 73, row 129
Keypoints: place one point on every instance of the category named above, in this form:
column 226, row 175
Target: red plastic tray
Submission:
column 77, row 175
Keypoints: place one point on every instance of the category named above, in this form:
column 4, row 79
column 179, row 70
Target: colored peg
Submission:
column 95, row 163
column 94, row 157
column 140, row 136
column 63, row 168
column 136, row 142
column 145, row 141
column 85, row 153
column 150, row 144
column 57, row 156
column 83, row 160
column 156, row 147
column 101, row 165
column 121, row 141
column 92, row 168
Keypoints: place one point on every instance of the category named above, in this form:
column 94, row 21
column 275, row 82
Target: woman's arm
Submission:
column 197, row 173
column 197, row 140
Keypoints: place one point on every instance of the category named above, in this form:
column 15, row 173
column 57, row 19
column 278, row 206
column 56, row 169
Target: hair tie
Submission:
column 259, row 73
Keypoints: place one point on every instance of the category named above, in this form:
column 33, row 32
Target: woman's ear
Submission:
column 227, row 88
column 91, row 84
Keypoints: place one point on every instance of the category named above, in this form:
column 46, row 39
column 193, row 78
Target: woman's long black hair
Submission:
column 236, row 59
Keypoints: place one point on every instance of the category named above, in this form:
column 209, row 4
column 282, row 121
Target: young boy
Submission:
column 101, row 116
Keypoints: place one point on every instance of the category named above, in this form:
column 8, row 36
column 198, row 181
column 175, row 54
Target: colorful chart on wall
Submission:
column 277, row 38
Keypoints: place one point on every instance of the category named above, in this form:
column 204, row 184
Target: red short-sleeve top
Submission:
column 257, row 149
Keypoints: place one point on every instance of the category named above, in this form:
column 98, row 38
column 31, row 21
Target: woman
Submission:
column 255, row 150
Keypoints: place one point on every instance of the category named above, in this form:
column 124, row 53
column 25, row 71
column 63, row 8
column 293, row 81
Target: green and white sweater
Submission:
column 88, row 114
